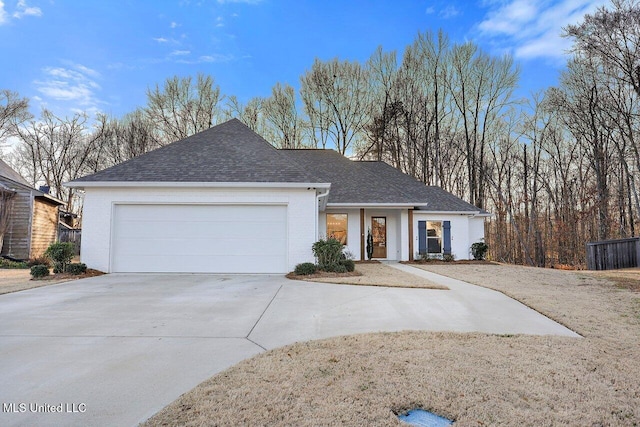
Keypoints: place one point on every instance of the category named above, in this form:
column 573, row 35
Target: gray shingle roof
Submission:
column 375, row 182
column 437, row 199
column 229, row 152
column 7, row 172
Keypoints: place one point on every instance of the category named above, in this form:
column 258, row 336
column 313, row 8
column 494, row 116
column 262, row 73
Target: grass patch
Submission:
column 8, row 264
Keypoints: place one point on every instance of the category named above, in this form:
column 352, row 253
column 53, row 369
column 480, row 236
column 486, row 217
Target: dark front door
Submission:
column 379, row 234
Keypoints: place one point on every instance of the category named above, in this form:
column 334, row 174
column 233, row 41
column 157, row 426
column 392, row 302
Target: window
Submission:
column 337, row 227
column 434, row 237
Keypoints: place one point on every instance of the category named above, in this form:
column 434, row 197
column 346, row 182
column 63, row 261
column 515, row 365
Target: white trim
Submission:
column 375, row 205
column 174, row 184
column 469, row 213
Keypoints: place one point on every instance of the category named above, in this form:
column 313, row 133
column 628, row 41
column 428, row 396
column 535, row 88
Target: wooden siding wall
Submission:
column 613, row 254
column 44, row 227
column 16, row 239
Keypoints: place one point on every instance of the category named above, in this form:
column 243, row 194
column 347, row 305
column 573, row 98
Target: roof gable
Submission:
column 228, row 152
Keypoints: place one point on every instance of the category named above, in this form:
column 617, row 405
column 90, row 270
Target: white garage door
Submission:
column 200, row 238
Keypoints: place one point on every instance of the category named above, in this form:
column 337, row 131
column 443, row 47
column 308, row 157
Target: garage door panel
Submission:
column 209, row 230
column 198, row 247
column 200, row 238
column 193, row 264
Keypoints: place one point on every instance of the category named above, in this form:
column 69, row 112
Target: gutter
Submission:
column 190, row 184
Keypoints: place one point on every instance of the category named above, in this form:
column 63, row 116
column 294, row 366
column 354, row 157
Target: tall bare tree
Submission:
column 183, row 107
column 281, row 113
column 14, row 111
column 335, row 95
column 53, row 151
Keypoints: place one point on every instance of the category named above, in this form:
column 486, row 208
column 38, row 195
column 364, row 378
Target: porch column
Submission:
column 410, row 234
column 362, row 236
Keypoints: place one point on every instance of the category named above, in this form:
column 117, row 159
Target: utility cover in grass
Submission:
column 422, row 418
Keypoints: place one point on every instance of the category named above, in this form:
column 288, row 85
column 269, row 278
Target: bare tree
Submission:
column 182, row 108
column 335, row 95
column 14, row 111
column 54, row 150
column 281, row 113
column 482, row 88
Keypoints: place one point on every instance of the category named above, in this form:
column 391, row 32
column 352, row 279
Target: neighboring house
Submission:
column 226, row 201
column 29, row 217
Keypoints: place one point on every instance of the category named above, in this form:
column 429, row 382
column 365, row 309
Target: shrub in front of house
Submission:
column 305, row 269
column 7, row 263
column 448, row 257
column 328, row 253
column 479, row 250
column 76, row 268
column 38, row 271
column 348, row 264
column 61, row 254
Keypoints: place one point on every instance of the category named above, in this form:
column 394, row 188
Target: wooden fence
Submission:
column 70, row 235
column 613, row 254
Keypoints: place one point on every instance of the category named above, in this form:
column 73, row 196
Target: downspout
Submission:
column 318, row 197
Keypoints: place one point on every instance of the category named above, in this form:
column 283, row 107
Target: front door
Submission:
column 379, row 234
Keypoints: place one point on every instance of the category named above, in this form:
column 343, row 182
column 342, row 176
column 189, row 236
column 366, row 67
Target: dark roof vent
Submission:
column 45, row 189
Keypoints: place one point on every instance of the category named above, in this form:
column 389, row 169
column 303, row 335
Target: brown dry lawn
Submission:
column 376, row 274
column 474, row 379
column 14, row 280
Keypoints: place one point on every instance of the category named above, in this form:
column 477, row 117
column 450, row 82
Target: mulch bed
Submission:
column 68, row 276
column 322, row 275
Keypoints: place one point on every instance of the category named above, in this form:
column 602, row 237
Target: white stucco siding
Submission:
column 476, row 230
column 465, row 230
column 99, row 208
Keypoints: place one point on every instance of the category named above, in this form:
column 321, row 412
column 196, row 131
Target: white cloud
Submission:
column 73, row 84
column 180, row 52
column 3, row 13
column 23, row 10
column 449, row 12
column 532, row 28
column 430, row 10
column 160, row 39
column 173, row 24
column 219, row 21
column 207, row 59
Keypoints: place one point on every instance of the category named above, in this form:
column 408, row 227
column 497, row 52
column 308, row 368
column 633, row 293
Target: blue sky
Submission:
column 99, row 55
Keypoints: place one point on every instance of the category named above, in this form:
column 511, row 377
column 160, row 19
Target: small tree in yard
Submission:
column 369, row 245
column 61, row 254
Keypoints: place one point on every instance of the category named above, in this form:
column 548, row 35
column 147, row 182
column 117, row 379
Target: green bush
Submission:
column 348, row 264
column 61, row 254
column 7, row 263
column 448, row 257
column 328, row 253
column 305, row 269
column 338, row 268
column 479, row 250
column 38, row 271
column 76, row 268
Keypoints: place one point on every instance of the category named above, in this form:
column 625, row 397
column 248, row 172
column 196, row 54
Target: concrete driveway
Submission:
column 115, row 349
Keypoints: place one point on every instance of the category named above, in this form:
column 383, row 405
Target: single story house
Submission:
column 226, row 201
column 28, row 217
